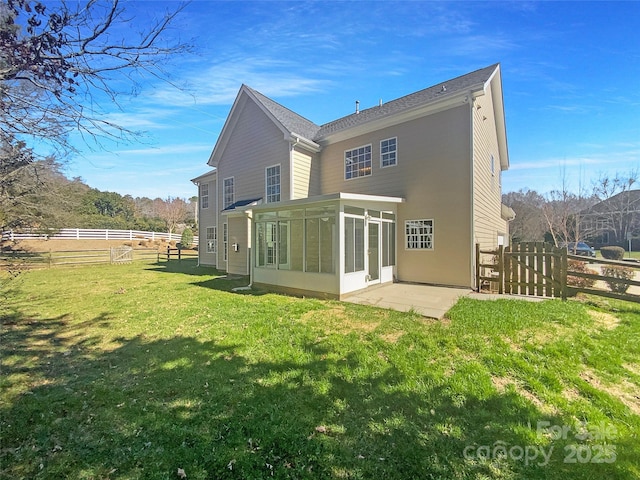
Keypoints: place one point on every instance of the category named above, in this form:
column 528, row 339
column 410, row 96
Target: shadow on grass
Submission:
column 141, row 408
column 221, row 281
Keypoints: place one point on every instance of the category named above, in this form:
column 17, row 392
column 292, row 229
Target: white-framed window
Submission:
column 357, row 162
column 272, row 180
column 225, row 241
column 418, row 234
column 204, row 195
column 389, row 152
column 228, row 192
column 212, row 239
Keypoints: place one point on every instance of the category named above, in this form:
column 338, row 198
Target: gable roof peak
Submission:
column 288, row 119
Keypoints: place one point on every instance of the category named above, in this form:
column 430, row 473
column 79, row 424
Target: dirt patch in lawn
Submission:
column 604, row 320
column 337, row 320
column 623, row 390
column 502, row 383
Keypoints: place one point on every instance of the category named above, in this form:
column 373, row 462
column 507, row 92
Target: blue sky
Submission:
column 570, row 70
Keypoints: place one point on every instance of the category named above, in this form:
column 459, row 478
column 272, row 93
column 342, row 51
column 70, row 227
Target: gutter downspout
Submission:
column 292, row 145
column 472, row 265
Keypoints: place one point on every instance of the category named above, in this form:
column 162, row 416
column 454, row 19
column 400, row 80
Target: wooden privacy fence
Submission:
column 531, row 268
column 541, row 269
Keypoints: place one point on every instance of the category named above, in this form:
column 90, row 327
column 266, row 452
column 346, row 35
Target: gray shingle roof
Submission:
column 290, row 120
column 297, row 124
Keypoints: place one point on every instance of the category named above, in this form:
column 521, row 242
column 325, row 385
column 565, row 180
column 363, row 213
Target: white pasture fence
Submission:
column 93, row 234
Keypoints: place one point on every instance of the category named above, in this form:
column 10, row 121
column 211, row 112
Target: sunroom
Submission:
column 326, row 246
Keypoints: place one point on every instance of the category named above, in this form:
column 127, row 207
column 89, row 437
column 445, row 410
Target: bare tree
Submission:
column 529, row 224
column 562, row 213
column 173, row 211
column 59, row 62
column 618, row 212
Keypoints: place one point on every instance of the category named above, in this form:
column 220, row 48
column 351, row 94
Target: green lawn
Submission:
column 136, row 371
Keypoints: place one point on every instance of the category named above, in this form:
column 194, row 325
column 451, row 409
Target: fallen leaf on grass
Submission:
column 181, row 473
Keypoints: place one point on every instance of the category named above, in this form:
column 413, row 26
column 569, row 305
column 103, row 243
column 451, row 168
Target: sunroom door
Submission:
column 373, row 254
column 284, row 248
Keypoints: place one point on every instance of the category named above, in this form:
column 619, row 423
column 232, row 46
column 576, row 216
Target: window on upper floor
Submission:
column 418, row 234
column 389, row 152
column 229, row 193
column 204, row 195
column 357, row 162
column 272, row 179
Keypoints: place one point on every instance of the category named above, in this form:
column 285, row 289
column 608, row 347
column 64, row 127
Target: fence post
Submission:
column 500, row 269
column 168, row 252
column 77, row 234
column 179, row 253
column 563, row 273
column 477, row 267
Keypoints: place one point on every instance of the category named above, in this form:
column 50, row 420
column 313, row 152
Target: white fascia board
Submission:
column 204, row 176
column 297, row 139
column 330, row 197
column 501, row 127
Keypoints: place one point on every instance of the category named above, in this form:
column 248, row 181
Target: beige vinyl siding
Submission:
column 433, row 175
column 255, row 143
column 487, row 198
column 239, row 228
column 207, row 217
column 302, row 172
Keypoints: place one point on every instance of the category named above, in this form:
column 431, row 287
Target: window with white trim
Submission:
column 418, row 234
column 357, row 162
column 388, row 152
column 272, row 178
column 229, row 193
column 204, row 195
column 212, row 239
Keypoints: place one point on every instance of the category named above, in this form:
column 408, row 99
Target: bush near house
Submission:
column 187, row 238
column 612, row 253
column 621, row 274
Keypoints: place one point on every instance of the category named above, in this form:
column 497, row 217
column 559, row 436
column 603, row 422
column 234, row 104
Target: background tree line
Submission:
column 63, row 68
column 41, row 197
column 610, row 206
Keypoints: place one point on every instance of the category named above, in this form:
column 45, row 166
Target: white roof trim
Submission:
column 355, row 197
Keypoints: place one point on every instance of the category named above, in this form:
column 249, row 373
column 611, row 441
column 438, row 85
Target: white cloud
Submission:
column 219, row 84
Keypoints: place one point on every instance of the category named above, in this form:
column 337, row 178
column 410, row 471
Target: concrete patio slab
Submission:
column 427, row 300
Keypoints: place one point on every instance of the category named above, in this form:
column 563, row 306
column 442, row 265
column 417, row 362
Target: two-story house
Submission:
column 401, row 191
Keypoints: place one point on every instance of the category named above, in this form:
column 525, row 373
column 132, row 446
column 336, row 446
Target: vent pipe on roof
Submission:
column 380, row 103
column 357, row 106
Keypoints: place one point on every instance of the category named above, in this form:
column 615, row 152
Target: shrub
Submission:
column 612, row 253
column 621, row 274
column 579, row 267
column 187, row 238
